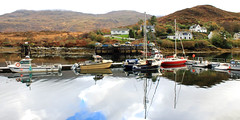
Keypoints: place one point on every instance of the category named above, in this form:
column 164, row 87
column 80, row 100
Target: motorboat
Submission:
column 98, row 63
column 234, row 65
column 222, row 66
column 25, row 66
column 200, row 63
column 145, row 65
column 128, row 64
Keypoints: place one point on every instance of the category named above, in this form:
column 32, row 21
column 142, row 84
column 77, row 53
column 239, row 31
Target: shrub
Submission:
column 167, row 44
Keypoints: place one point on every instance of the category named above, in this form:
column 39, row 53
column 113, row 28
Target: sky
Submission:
column 153, row 7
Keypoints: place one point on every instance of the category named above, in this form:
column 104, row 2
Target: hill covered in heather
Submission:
column 59, row 20
column 203, row 14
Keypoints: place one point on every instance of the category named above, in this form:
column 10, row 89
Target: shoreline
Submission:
column 89, row 51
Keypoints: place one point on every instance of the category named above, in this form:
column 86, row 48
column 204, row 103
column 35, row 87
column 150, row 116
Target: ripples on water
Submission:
column 185, row 94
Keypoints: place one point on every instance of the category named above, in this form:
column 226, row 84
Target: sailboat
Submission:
column 146, row 63
column 174, row 60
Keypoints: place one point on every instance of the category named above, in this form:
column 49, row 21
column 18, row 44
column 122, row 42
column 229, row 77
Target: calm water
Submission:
column 182, row 93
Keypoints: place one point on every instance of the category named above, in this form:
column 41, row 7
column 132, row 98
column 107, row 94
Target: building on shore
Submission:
column 197, row 28
column 180, row 35
column 236, row 36
column 119, row 31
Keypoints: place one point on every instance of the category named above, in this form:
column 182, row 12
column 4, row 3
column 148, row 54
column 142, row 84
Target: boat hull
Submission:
column 96, row 66
column 33, row 69
column 174, row 62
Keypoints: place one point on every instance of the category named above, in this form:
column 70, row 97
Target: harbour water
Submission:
column 182, row 93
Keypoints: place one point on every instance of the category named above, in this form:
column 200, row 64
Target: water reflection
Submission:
column 200, row 77
column 168, row 93
column 97, row 73
column 28, row 78
column 151, row 81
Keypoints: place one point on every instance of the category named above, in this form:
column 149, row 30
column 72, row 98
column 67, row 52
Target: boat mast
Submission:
column 175, row 37
column 145, row 36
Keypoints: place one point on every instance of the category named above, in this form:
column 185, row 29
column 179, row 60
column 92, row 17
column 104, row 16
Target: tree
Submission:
column 153, row 20
column 140, row 22
column 219, row 40
column 169, row 29
column 160, row 31
column 132, row 33
column 213, row 26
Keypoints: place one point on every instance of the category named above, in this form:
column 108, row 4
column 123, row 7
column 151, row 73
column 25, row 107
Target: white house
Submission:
column 210, row 35
column 236, row 36
column 197, row 28
column 181, row 35
column 119, row 31
column 149, row 28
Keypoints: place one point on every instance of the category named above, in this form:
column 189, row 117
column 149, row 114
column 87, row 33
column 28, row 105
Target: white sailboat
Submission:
column 146, row 63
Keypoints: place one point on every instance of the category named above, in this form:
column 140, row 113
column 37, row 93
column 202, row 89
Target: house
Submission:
column 180, row 35
column 236, row 36
column 197, row 28
column 119, row 31
column 149, row 28
column 210, row 35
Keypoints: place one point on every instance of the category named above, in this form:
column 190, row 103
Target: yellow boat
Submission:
column 102, row 65
column 98, row 63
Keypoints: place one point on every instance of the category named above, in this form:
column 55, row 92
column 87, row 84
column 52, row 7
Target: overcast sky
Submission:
column 153, row 7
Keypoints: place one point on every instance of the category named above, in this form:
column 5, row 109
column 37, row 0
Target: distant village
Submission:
column 180, row 35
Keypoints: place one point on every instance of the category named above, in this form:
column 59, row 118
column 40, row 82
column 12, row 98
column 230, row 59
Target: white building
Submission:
column 210, row 35
column 180, row 35
column 236, row 36
column 119, row 31
column 197, row 28
column 149, row 28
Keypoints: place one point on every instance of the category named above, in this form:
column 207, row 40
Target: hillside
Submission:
column 55, row 20
column 203, row 13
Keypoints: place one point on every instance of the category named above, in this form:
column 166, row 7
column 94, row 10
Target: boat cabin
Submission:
column 98, row 59
column 26, row 61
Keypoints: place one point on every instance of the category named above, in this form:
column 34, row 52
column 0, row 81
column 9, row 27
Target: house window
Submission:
column 123, row 31
column 184, row 33
column 185, row 37
column 189, row 37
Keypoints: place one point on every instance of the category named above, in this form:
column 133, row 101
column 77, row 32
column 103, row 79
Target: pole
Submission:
column 175, row 37
column 145, row 37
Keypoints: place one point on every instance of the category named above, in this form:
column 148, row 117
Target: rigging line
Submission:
column 154, row 92
column 183, row 48
column 149, row 87
column 180, row 85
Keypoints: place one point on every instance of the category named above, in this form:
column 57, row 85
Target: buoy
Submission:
column 18, row 64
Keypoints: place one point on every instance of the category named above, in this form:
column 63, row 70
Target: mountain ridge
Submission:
column 202, row 13
column 61, row 20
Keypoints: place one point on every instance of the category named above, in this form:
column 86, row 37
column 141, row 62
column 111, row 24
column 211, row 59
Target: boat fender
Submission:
column 18, row 64
column 75, row 66
column 59, row 67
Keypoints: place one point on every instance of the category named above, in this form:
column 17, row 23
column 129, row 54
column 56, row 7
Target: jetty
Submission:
column 121, row 49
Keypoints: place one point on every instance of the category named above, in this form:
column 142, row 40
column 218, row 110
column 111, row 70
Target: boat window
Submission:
column 24, row 62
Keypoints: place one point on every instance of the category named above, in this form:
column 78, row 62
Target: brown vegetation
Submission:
column 26, row 20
